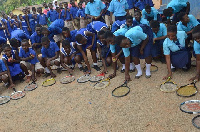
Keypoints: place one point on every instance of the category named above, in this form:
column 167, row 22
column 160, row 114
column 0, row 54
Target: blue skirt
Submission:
column 181, row 58
column 156, row 48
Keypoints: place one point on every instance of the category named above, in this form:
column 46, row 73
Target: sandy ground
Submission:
column 78, row 107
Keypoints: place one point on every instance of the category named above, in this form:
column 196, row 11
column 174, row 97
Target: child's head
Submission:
column 155, row 25
column 171, row 32
column 20, row 16
column 14, row 43
column 66, row 44
column 11, row 14
column 80, row 5
column 65, row 4
column 34, row 10
column 148, row 9
column 196, row 34
column 45, row 5
column 45, row 42
column 73, row 3
column 167, row 12
column 100, row 35
column 109, row 37
column 44, row 31
column 137, row 15
column 80, row 39
column 66, row 32
column 25, row 45
column 58, row 9
column 7, row 49
column 129, row 21
column 61, row 5
column 28, row 9
column 122, row 41
column 50, row 6
column 183, row 17
column 39, row 10
column 38, row 29
column 56, row 3
column 15, row 17
column 24, row 11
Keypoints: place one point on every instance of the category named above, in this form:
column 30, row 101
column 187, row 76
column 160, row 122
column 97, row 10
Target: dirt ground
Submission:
column 78, row 107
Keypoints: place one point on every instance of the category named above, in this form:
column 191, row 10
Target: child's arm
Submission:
column 143, row 44
column 27, row 58
column 33, row 72
column 63, row 65
column 168, row 62
column 20, row 24
column 197, row 77
column 114, row 67
column 127, row 67
column 17, row 60
column 160, row 38
column 53, row 58
column 6, row 28
column 87, row 33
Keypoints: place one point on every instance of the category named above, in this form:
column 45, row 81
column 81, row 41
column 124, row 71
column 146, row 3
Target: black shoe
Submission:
column 59, row 70
column 122, row 70
column 96, row 68
column 46, row 75
column 81, row 68
column 132, row 70
column 173, row 69
column 85, row 69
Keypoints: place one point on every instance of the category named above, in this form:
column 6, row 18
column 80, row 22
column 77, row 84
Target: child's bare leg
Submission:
column 49, row 67
column 57, row 63
column 78, row 60
column 25, row 70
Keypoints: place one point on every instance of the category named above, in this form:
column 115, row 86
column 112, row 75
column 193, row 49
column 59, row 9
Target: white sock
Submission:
column 148, row 69
column 47, row 70
column 95, row 64
column 123, row 66
column 172, row 66
column 80, row 65
column 97, row 55
column 139, row 70
column 132, row 66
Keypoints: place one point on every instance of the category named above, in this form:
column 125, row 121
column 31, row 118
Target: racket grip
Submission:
column 14, row 89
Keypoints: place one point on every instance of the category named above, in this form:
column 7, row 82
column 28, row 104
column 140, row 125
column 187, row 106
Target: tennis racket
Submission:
column 196, row 121
column 190, row 106
column 4, row 99
column 30, row 87
column 97, row 77
column 49, row 82
column 84, row 78
column 153, row 68
column 17, row 94
column 121, row 91
column 102, row 84
column 168, row 86
column 187, row 90
column 67, row 79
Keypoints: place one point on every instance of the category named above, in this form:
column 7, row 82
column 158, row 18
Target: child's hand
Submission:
column 168, row 75
column 127, row 78
column 141, row 51
column 48, row 62
column 112, row 75
column 196, row 78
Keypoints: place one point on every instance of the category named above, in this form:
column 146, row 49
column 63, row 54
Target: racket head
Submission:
column 97, row 77
column 30, row 87
column 67, row 79
column 187, row 90
column 190, row 106
column 84, row 79
column 168, row 87
column 102, row 84
column 4, row 99
column 153, row 68
column 17, row 95
column 196, row 121
column 121, row 91
column 49, row 82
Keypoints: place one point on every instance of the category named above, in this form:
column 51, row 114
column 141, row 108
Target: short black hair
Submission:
column 196, row 29
column 65, row 29
column 38, row 25
column 154, row 24
column 78, row 38
column 147, row 7
column 44, row 29
column 137, row 11
column 108, row 34
column 129, row 17
column 167, row 12
column 5, row 46
column 44, row 39
column 172, row 28
column 13, row 41
column 181, row 15
column 65, row 43
column 24, row 40
column 33, row 8
column 101, row 32
column 118, row 39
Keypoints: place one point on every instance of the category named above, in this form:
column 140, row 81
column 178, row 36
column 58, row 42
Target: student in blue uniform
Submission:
column 119, row 9
column 176, row 55
column 25, row 20
column 129, row 23
column 137, row 43
column 69, row 35
column 8, row 28
column 96, row 26
column 69, row 56
column 138, row 19
column 150, row 13
column 2, row 33
column 187, row 23
column 67, row 17
column 41, row 18
column 12, row 62
column 34, row 16
column 31, row 18
column 15, row 44
column 196, row 37
column 19, row 35
column 73, row 11
column 24, row 25
column 36, row 39
column 80, row 15
column 51, row 14
column 159, row 35
column 29, row 61
column 116, row 25
column 2, row 42
column 85, row 40
column 50, row 56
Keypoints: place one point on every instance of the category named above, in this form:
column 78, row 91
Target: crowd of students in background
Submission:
column 124, row 30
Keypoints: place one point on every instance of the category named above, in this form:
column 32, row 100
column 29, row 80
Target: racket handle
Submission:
column 14, row 89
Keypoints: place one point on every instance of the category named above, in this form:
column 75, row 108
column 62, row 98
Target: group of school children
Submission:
column 124, row 30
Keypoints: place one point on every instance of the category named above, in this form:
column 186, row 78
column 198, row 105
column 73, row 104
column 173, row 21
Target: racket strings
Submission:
column 168, row 87
column 121, row 91
column 49, row 82
column 196, row 121
column 188, row 90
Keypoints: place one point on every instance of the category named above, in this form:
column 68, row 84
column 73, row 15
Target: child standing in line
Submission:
column 41, row 18
column 24, row 25
column 67, row 17
column 52, row 14
column 81, row 15
column 73, row 12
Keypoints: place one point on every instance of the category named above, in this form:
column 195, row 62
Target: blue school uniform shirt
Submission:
column 73, row 11
column 2, row 40
column 177, row 5
column 142, row 21
column 153, row 13
column 96, row 26
column 23, row 54
column 196, row 47
column 50, row 51
column 190, row 25
column 161, row 32
column 19, row 35
column 41, row 19
column 73, row 50
column 140, row 5
column 94, row 9
column 2, row 66
column 80, row 13
column 52, row 14
column 35, row 38
column 68, row 17
column 2, row 33
column 117, row 25
column 72, row 36
column 118, row 8
column 169, row 45
column 55, row 28
column 8, row 26
column 136, row 35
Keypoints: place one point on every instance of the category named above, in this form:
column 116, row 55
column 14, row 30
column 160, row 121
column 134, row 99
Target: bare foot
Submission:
column 28, row 79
